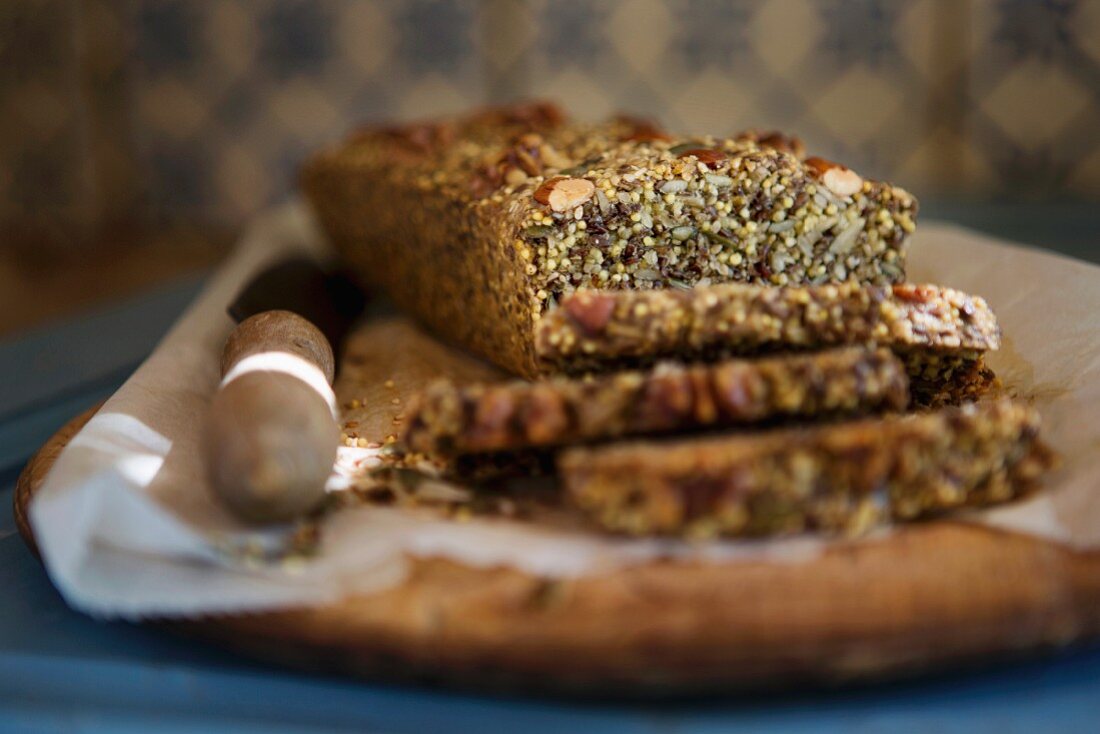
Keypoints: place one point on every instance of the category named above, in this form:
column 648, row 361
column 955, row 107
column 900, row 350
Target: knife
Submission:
column 271, row 433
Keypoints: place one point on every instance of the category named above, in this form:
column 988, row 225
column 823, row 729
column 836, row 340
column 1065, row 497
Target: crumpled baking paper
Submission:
column 127, row 527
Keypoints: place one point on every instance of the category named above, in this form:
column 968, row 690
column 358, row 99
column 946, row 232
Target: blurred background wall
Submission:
column 145, row 113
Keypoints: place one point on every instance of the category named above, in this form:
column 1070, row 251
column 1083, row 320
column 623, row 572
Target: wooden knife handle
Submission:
column 279, row 331
column 271, row 434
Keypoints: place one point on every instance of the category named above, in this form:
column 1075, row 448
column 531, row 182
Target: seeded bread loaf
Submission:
column 941, row 333
column 479, row 225
column 839, row 478
column 449, row 419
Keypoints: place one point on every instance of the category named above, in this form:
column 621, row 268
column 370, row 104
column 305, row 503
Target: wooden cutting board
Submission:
column 928, row 596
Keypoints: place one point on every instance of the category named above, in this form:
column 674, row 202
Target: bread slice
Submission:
column 941, row 333
column 838, row 478
column 478, row 225
column 451, row 419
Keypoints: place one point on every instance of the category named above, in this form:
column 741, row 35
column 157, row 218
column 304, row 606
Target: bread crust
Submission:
column 478, row 225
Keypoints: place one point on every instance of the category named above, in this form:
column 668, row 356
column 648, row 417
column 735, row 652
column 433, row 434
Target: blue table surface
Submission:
column 62, row 671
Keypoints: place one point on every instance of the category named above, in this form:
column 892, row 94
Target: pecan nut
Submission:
column 775, row 140
column 420, row 138
column 709, row 157
column 536, row 115
column 591, row 310
column 544, row 416
column 529, row 155
column 640, row 130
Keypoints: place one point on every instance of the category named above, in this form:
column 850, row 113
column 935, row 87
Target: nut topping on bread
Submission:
column 941, row 333
column 451, row 419
column 670, row 283
column 637, row 209
column 839, row 179
column 564, row 194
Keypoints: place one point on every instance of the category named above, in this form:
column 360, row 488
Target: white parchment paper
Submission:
column 127, row 528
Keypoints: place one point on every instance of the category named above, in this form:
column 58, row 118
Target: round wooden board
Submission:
column 930, row 595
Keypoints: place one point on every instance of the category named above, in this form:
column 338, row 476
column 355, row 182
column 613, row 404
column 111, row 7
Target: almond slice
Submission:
column 563, row 194
column 841, row 180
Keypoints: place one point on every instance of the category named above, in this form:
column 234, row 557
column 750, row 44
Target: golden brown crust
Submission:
column 478, row 225
column 452, row 419
column 835, row 478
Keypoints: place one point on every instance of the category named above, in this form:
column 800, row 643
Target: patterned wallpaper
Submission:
column 163, row 110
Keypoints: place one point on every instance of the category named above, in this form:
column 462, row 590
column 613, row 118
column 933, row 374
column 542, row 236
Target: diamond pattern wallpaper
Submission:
column 168, row 110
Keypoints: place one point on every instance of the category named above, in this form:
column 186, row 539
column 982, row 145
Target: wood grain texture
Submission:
column 930, row 595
